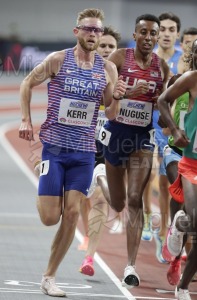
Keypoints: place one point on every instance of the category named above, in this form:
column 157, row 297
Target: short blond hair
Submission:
column 90, row 13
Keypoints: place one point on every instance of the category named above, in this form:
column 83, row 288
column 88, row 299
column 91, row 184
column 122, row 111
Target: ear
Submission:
column 75, row 31
column 134, row 36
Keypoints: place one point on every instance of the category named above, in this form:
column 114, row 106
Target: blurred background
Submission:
column 29, row 30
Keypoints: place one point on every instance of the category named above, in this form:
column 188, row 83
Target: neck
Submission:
column 142, row 60
column 84, row 58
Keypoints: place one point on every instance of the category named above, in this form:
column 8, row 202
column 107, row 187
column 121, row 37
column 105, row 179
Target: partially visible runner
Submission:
column 187, row 37
column 98, row 192
column 129, row 139
column 172, row 156
column 184, row 189
column 108, row 44
column 79, row 78
column 170, row 25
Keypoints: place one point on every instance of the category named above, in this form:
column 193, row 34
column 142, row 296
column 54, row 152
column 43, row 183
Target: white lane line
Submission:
column 25, row 291
column 9, row 149
column 160, row 291
column 21, row 164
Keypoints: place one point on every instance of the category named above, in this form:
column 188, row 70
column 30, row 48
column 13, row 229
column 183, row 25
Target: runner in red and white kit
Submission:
column 129, row 139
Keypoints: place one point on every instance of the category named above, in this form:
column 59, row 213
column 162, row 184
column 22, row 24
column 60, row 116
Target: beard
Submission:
column 88, row 47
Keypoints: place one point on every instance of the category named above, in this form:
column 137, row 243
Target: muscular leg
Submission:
column 147, row 195
column 138, row 176
column 85, row 210
column 97, row 218
column 164, row 203
column 190, row 195
column 50, row 209
column 49, row 214
column 96, row 221
column 172, row 173
column 116, row 183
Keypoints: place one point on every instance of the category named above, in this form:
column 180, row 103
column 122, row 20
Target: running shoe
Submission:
column 49, row 287
column 184, row 258
column 174, row 271
column 182, row 294
column 131, row 278
column 117, row 227
column 184, row 255
column 37, row 168
column 175, row 237
column 84, row 245
column 165, row 252
column 87, row 267
column 159, row 241
column 147, row 234
column 99, row 170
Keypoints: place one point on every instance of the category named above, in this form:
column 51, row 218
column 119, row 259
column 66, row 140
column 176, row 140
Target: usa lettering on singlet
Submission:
column 74, row 96
column 138, row 111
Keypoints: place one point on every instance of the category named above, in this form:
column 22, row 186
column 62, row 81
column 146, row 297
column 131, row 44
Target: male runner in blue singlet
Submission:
column 79, row 79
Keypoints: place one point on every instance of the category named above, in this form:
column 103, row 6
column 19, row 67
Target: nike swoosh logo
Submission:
column 131, row 71
column 69, row 71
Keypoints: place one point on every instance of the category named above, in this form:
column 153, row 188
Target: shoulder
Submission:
column 191, row 78
column 118, row 57
column 57, row 56
column 55, row 60
column 187, row 82
column 109, row 66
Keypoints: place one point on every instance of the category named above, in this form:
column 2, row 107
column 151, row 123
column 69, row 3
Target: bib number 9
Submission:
column 104, row 136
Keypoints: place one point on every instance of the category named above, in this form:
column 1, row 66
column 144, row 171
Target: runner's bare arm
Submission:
column 183, row 84
column 49, row 67
column 115, row 90
column 165, row 73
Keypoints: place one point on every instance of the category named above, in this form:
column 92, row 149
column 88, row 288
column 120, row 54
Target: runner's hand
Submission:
column 120, row 88
column 140, row 89
column 26, row 131
column 180, row 138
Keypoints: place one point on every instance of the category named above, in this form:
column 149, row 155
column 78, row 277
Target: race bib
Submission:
column 181, row 121
column 76, row 112
column 101, row 120
column 134, row 112
column 104, row 136
column 194, row 150
column 44, row 167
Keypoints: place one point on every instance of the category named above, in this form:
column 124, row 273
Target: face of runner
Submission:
column 88, row 33
column 194, row 55
column 167, row 34
column 146, row 36
column 188, row 40
column 107, row 45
